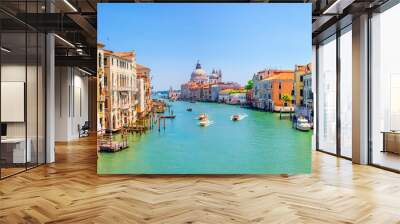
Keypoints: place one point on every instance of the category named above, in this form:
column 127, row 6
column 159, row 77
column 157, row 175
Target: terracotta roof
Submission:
column 126, row 55
column 141, row 67
column 282, row 76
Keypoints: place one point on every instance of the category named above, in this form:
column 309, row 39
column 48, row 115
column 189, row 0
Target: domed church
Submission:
column 199, row 75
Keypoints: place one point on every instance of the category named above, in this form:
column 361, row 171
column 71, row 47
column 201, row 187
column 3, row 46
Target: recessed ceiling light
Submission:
column 5, row 50
column 64, row 40
column 70, row 5
column 86, row 72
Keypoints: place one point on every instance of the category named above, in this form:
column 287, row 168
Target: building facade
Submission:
column 259, row 88
column 143, row 74
column 121, row 89
column 101, row 93
column 202, row 87
column 269, row 86
column 281, row 84
column 298, row 83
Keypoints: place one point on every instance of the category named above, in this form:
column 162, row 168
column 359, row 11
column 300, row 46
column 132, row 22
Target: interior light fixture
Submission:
column 5, row 50
column 86, row 72
column 64, row 40
column 70, row 5
column 337, row 7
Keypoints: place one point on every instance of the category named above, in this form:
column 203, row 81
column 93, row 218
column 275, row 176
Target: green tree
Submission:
column 286, row 98
column 249, row 85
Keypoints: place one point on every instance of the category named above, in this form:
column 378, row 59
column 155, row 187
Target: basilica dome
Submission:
column 198, row 75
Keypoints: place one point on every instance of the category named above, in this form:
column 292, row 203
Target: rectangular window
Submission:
column 385, row 89
column 327, row 95
column 346, row 93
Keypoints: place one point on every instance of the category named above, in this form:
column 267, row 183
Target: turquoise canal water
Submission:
column 260, row 143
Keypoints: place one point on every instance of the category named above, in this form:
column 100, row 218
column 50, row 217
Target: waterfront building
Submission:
column 172, row 94
column 143, row 73
column 249, row 97
column 259, row 88
column 215, row 77
column 191, row 90
column 120, row 82
column 232, row 96
column 269, row 86
column 280, row 84
column 202, row 87
column 308, row 98
column 101, row 93
column 223, row 96
column 298, row 83
column 199, row 75
column 302, row 91
column 205, row 92
column 216, row 88
column 238, row 97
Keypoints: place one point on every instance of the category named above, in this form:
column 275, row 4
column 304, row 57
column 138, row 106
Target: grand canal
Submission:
column 260, row 143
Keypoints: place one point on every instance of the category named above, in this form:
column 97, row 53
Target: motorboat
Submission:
column 189, row 109
column 238, row 117
column 203, row 117
column 302, row 124
column 205, row 123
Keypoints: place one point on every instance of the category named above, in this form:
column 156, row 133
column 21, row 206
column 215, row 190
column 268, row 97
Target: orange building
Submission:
column 270, row 86
column 277, row 85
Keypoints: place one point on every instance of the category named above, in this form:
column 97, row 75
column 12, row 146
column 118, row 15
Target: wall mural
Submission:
column 204, row 88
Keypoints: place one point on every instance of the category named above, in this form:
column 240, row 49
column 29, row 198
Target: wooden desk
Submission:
column 391, row 141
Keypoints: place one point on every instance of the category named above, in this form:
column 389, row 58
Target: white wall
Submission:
column 33, row 126
column 71, row 102
column 11, row 73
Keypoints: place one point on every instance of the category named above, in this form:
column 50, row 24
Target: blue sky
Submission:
column 239, row 39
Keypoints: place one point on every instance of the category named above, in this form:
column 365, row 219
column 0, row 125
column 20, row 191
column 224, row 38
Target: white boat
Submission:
column 302, row 124
column 205, row 123
column 203, row 116
column 238, row 117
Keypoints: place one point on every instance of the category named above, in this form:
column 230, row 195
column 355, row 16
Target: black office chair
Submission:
column 84, row 130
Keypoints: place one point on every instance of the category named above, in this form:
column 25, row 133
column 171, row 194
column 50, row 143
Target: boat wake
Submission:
column 240, row 117
column 206, row 123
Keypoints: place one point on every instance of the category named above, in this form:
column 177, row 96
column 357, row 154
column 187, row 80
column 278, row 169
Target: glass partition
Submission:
column 327, row 95
column 22, row 101
column 13, row 86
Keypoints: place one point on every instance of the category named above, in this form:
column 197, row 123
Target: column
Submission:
column 50, row 98
column 360, row 90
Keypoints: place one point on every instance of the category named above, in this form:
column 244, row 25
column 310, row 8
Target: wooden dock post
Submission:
column 158, row 124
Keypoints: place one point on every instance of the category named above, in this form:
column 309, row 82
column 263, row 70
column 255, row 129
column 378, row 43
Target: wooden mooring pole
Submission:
column 159, row 124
